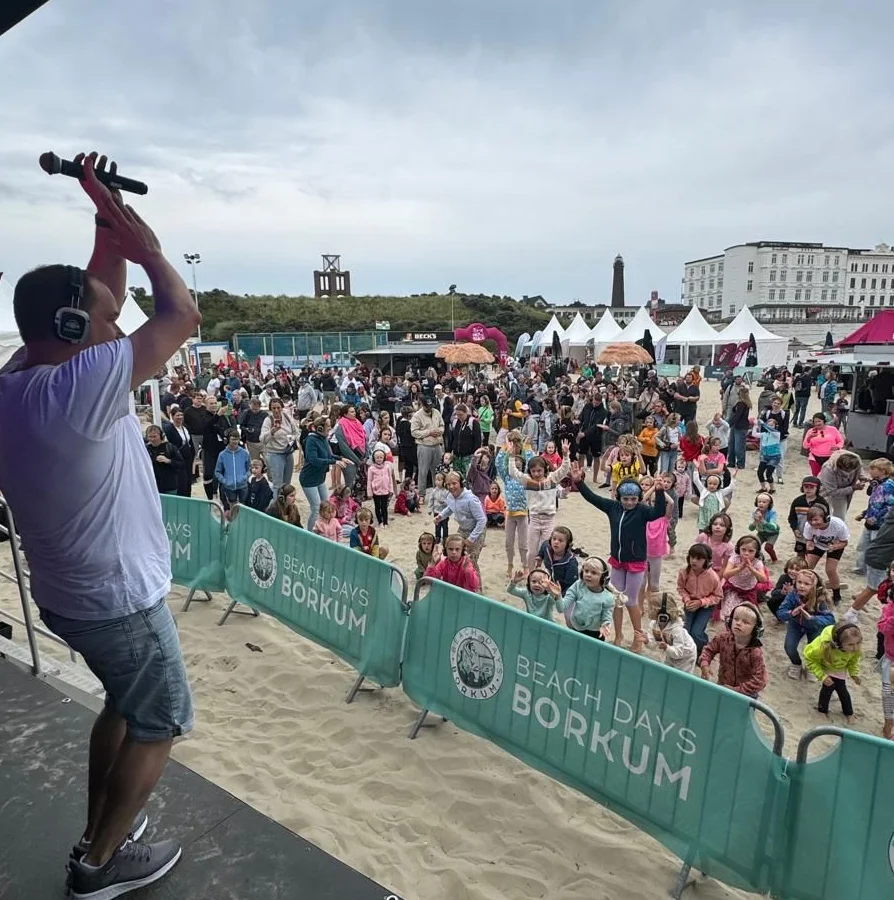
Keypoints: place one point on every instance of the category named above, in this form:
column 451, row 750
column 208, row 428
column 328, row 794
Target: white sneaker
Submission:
column 850, row 617
column 811, row 678
column 794, row 672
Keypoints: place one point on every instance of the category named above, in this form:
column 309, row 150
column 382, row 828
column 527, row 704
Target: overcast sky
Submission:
column 507, row 146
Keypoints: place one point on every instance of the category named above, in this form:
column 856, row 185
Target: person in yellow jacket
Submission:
column 830, row 658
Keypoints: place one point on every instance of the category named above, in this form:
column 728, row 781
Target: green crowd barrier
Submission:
column 840, row 821
column 342, row 599
column 196, row 531
column 679, row 757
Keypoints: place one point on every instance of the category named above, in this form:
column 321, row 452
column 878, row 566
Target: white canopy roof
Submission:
column 606, row 329
column 578, row 333
column 637, row 326
column 745, row 324
column 695, row 330
column 546, row 336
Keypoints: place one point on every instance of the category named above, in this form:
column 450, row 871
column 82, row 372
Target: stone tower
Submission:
column 618, row 282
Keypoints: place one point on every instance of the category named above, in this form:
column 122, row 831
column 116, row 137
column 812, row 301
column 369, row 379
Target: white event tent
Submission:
column 636, row 329
column 546, row 336
column 772, row 349
column 576, row 339
column 606, row 329
column 693, row 331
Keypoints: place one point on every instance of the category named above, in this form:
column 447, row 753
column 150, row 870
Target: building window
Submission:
column 701, row 285
column 691, row 272
column 785, row 259
column 749, row 285
column 800, row 259
column 826, row 261
column 810, row 260
column 862, row 299
column 837, row 259
column 872, row 300
column 772, row 294
column 853, row 267
column 853, row 283
column 834, row 295
column 884, row 283
column 719, row 282
column 732, row 309
column 772, row 274
column 807, row 296
column 773, row 260
column 713, row 267
column 799, row 276
column 862, row 282
column 885, row 267
column 872, row 285
column 824, row 295
column 703, row 270
column 864, row 267
column 751, row 268
column 797, row 295
column 875, row 267
column 782, row 294
column 825, row 277
column 834, row 278
column 782, row 274
column 881, row 300
column 850, row 300
column 809, row 276
column 710, row 284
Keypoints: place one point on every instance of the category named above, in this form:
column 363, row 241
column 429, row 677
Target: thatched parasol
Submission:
column 623, row 354
column 464, row 354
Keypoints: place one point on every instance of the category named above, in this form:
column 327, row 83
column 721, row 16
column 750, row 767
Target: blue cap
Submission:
column 630, row 489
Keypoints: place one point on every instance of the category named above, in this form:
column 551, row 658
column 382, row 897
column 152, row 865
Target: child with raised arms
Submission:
column 627, row 517
column 540, row 596
column 589, row 603
column 764, row 522
column 739, row 652
column 712, row 496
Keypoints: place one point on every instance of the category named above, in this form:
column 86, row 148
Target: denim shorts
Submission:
column 137, row 659
column 875, row 577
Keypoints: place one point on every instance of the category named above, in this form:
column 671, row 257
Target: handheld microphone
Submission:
column 52, row 165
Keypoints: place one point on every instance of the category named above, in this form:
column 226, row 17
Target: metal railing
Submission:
column 22, row 578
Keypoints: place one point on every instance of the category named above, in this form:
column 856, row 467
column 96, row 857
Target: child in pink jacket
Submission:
column 455, row 568
column 379, row 484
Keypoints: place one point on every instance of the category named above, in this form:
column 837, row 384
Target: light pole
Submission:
column 193, row 259
column 452, row 292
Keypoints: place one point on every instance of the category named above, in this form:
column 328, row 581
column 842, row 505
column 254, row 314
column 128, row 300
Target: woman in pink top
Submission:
column 820, row 442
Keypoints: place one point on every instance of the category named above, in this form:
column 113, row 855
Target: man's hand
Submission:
column 99, row 165
column 135, row 240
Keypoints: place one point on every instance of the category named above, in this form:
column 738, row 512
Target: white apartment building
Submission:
column 767, row 272
column 777, row 276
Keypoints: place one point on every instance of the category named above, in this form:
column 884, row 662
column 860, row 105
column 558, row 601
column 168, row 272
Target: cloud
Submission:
column 509, row 147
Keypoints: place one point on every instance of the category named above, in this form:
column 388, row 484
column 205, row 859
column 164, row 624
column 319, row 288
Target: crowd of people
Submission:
column 498, row 454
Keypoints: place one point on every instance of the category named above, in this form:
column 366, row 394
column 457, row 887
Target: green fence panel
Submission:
column 196, row 532
column 679, row 757
column 841, row 822
column 340, row 598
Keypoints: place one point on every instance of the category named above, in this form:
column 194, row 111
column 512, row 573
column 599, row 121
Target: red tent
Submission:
column 878, row 330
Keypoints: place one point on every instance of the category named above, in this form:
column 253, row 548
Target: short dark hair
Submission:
column 39, row 294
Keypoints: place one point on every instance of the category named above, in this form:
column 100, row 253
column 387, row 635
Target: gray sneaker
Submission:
column 141, row 820
column 133, row 865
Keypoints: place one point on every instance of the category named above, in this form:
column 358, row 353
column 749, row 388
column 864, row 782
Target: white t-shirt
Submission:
column 835, row 531
column 75, row 471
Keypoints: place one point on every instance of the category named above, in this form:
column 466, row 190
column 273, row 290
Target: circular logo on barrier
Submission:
column 477, row 664
column 262, row 563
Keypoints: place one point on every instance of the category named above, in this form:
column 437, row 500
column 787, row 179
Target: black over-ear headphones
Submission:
column 839, row 630
column 72, row 323
column 663, row 618
column 758, row 628
column 603, row 579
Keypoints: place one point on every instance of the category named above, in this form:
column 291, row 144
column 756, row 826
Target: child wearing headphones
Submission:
column 327, row 525
column 541, row 488
column 712, row 496
column 826, row 535
column 364, row 537
column 739, row 651
column 785, row 583
column 800, row 506
column 454, row 566
column 425, row 548
column 657, row 547
column 627, row 518
column 589, row 604
column 699, row 587
column 745, row 576
column 680, row 651
column 806, row 612
column 556, row 558
column 765, row 523
column 831, row 657
column 541, row 596
column 718, row 538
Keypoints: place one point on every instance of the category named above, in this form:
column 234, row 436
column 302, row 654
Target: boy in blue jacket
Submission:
column 232, row 470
